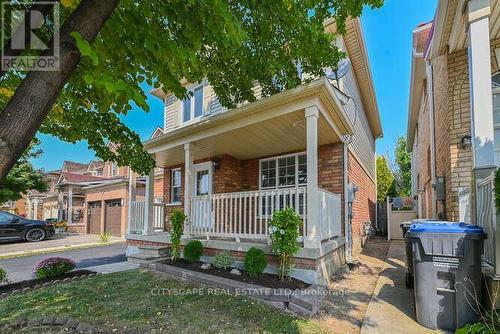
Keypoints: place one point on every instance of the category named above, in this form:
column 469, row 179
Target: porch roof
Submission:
column 273, row 125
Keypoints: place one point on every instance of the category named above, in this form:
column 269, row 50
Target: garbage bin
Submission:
column 447, row 273
column 409, row 258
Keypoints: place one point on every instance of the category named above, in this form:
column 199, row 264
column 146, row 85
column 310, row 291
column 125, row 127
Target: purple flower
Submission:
column 52, row 262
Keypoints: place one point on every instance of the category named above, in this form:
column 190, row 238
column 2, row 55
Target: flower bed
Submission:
column 265, row 279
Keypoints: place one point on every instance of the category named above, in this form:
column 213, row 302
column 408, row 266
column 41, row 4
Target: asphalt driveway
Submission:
column 21, row 268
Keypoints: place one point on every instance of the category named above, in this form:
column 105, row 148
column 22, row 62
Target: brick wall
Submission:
column 364, row 205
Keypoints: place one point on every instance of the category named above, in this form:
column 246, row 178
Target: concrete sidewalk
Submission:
column 56, row 244
column 114, row 267
column 391, row 309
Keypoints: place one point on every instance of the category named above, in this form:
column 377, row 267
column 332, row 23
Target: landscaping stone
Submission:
column 206, row 266
column 310, row 298
column 72, row 323
column 235, row 272
column 35, row 322
column 85, row 328
column 20, row 322
column 48, row 320
column 276, row 305
column 60, row 321
column 299, row 310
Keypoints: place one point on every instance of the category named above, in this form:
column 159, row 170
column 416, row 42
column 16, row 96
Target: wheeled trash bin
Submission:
column 447, row 273
column 405, row 226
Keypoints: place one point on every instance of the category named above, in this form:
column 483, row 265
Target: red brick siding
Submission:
column 364, row 205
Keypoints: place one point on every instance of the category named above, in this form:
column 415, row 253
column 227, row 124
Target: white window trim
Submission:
column 496, row 126
column 277, row 170
column 193, row 102
column 172, row 188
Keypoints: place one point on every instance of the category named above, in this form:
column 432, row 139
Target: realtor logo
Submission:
column 30, row 36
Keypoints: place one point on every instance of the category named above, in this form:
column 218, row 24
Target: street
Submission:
column 21, row 268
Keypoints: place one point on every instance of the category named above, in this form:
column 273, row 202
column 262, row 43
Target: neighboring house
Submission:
column 17, row 207
column 304, row 148
column 92, row 198
column 454, row 116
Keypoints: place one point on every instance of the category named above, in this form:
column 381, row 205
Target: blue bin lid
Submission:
column 445, row 227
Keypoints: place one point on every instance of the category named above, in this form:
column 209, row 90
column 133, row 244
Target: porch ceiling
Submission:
column 285, row 133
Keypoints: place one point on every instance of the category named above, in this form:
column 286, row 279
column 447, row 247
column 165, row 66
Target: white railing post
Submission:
column 148, row 204
column 132, row 187
column 313, row 229
column 188, row 182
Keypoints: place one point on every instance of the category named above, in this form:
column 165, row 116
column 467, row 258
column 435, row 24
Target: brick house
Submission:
column 302, row 148
column 453, row 121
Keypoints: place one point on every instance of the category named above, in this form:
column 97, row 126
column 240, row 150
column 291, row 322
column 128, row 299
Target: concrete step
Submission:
column 151, row 250
column 142, row 258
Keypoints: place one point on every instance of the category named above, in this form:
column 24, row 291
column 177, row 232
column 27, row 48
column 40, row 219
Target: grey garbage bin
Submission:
column 447, row 273
column 409, row 258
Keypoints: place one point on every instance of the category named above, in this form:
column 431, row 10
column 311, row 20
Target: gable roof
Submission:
column 72, row 166
column 70, row 177
column 156, row 133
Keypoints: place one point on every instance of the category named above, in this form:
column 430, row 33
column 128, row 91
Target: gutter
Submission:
column 430, row 97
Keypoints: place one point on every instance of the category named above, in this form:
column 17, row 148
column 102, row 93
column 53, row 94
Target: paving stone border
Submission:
column 302, row 302
column 49, row 321
column 46, row 284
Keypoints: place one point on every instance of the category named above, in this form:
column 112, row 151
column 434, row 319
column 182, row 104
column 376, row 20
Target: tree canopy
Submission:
column 402, row 171
column 386, row 184
column 233, row 44
column 23, row 177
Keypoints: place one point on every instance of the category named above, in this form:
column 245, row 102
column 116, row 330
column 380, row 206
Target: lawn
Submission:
column 143, row 302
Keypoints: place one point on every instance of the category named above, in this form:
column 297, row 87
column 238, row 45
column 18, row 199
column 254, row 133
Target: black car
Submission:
column 14, row 227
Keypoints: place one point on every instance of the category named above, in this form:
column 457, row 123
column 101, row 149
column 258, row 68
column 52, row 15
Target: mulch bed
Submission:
column 265, row 279
column 41, row 281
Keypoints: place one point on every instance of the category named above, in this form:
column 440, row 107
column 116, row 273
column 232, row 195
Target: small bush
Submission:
column 3, row 276
column 193, row 251
column 255, row 262
column 104, row 237
column 283, row 232
column 177, row 220
column 223, row 260
column 53, row 267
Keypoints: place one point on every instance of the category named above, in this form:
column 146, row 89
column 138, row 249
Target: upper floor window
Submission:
column 114, row 169
column 175, row 186
column 192, row 106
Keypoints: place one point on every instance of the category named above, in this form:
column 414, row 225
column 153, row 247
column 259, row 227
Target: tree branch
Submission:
column 38, row 92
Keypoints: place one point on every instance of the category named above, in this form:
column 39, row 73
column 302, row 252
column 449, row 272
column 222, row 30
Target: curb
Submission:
column 57, row 249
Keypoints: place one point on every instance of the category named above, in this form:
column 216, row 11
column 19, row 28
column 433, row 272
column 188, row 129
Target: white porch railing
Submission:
column 486, row 217
column 329, row 212
column 137, row 217
column 246, row 214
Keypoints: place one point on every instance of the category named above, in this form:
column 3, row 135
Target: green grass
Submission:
column 124, row 301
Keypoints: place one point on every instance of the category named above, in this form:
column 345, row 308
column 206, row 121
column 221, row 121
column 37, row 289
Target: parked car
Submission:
column 14, row 227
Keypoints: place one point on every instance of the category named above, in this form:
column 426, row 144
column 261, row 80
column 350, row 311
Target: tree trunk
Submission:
column 38, row 92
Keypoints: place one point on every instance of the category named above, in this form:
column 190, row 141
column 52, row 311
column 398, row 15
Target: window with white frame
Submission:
column 282, row 172
column 114, row 169
column 192, row 106
column 175, row 186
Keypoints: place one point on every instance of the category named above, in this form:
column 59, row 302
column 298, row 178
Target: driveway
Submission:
column 16, row 248
column 21, row 268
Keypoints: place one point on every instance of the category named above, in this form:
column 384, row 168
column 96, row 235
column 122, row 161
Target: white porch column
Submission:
column 481, row 100
column 148, row 204
column 132, row 194
column 34, row 210
column 70, row 204
column 188, row 182
column 313, row 229
column 60, row 206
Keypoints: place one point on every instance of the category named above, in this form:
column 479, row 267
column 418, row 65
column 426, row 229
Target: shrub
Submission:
column 53, row 267
column 3, row 276
column 193, row 251
column 104, row 237
column 223, row 260
column 177, row 220
column 255, row 262
column 283, row 232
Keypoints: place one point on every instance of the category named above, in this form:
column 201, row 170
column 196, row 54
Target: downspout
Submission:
column 347, row 223
column 430, row 97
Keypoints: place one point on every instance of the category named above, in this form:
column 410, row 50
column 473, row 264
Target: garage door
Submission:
column 94, row 217
column 113, row 223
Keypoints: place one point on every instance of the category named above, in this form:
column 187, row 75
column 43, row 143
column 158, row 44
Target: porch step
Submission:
column 144, row 258
column 149, row 253
column 153, row 250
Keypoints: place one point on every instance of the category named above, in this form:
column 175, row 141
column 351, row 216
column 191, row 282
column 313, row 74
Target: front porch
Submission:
column 229, row 172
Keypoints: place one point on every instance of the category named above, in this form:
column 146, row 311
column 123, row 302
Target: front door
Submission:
column 202, row 189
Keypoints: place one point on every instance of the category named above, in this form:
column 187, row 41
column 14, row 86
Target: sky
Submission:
column 388, row 36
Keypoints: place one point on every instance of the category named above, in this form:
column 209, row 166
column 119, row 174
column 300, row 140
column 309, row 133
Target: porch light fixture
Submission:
column 216, row 164
column 466, row 142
